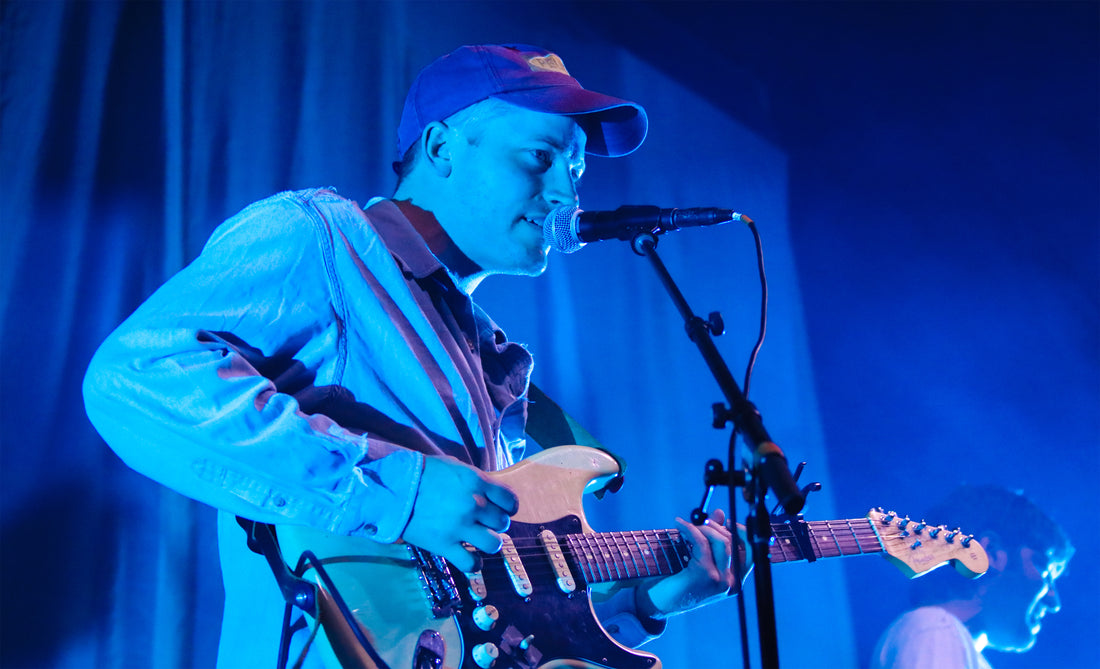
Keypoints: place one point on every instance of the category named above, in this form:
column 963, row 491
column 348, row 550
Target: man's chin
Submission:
column 534, row 270
column 536, row 263
column 1018, row 645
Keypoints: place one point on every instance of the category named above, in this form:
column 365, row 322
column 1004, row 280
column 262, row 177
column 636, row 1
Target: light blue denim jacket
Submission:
column 296, row 372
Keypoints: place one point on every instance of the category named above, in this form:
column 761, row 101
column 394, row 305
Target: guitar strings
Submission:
column 858, row 538
column 620, row 551
column 602, row 556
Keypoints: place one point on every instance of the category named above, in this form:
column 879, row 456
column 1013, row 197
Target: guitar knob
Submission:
column 485, row 654
column 485, row 617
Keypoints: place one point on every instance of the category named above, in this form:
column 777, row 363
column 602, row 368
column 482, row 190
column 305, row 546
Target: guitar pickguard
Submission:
column 384, row 584
column 559, row 627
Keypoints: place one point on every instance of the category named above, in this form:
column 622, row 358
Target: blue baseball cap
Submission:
column 526, row 76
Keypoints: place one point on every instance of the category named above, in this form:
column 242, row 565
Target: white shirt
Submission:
column 927, row 638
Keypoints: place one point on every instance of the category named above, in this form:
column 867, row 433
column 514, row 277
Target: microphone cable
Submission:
column 763, row 302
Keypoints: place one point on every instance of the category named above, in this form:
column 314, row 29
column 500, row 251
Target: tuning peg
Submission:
column 935, row 531
column 889, row 517
column 903, row 522
column 916, row 545
column 920, row 527
column 966, row 540
column 950, row 538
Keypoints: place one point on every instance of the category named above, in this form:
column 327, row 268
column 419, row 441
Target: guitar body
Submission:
column 397, row 603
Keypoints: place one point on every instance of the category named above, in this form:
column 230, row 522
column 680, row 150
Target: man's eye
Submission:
column 543, row 157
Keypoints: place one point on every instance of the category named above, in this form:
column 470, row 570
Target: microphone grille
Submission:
column 559, row 230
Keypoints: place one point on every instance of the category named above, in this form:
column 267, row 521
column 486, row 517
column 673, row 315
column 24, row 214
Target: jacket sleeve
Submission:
column 202, row 388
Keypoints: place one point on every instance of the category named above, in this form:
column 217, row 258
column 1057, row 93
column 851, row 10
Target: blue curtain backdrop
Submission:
column 926, row 181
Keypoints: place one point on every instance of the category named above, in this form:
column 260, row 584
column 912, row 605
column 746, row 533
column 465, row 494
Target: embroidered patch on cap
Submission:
column 548, row 63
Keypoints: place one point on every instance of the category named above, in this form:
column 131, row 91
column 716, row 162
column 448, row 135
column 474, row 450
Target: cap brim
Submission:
column 614, row 127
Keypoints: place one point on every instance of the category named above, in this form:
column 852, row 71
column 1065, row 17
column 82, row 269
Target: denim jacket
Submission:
column 282, row 375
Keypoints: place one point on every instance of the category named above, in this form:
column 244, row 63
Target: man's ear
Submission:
column 435, row 147
column 995, row 549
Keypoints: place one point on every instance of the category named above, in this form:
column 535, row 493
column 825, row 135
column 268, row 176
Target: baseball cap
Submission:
column 526, row 76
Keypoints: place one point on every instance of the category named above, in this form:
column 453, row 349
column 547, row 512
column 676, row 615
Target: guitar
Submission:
column 529, row 607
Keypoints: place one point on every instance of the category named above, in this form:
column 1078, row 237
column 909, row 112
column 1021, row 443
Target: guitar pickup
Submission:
column 564, row 576
column 514, row 565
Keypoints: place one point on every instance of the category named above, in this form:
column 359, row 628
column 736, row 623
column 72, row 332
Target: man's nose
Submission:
column 560, row 189
column 1051, row 600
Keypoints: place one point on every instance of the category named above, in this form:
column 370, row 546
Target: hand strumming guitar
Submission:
column 457, row 504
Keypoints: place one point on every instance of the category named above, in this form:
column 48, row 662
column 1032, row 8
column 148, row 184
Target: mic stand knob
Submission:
column 715, row 324
column 714, row 475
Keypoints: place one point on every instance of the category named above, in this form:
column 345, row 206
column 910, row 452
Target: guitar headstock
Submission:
column 917, row 548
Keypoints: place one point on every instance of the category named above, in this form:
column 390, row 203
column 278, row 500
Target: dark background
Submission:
column 943, row 180
column 945, row 219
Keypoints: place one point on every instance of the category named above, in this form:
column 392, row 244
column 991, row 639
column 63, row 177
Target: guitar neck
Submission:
column 810, row 540
column 616, row 556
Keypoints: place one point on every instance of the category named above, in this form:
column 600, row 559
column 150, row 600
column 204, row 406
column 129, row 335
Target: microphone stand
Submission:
column 768, row 469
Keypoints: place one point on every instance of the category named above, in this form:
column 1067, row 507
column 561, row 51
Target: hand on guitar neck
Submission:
column 708, row 577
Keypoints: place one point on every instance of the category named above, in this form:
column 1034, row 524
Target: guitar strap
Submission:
column 297, row 591
column 549, row 425
column 323, row 605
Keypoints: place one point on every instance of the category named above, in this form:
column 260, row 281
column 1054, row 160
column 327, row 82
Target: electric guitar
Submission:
column 529, row 607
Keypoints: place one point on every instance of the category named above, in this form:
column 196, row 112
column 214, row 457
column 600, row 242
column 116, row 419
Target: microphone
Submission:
column 567, row 229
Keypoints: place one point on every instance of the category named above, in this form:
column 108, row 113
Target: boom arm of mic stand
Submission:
column 769, row 464
column 768, row 461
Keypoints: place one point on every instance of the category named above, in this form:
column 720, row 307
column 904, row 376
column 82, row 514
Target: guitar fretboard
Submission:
column 615, row 556
column 824, row 538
